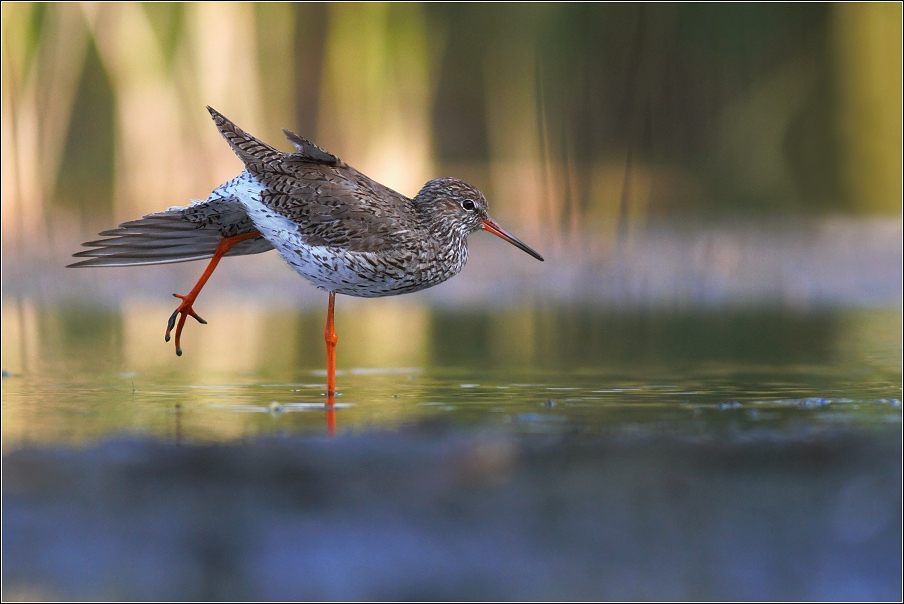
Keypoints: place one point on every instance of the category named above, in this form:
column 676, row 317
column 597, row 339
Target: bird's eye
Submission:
column 468, row 205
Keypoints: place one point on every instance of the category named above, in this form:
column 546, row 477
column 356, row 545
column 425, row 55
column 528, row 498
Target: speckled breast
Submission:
column 418, row 265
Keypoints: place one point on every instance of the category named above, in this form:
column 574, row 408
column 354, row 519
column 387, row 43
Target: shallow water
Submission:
column 558, row 453
column 553, row 369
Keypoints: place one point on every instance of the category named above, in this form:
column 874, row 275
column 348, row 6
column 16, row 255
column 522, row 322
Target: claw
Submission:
column 183, row 311
column 171, row 323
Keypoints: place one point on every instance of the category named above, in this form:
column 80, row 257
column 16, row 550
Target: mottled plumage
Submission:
column 342, row 230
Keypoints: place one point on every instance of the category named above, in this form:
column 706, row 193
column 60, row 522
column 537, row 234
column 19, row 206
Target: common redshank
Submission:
column 344, row 232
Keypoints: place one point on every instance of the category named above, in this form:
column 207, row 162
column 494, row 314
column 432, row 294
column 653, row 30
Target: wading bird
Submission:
column 344, row 232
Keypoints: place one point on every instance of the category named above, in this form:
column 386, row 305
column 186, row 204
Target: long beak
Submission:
column 491, row 226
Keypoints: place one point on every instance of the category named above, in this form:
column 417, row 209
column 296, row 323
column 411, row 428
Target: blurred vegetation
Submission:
column 583, row 116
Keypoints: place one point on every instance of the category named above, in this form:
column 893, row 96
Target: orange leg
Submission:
column 329, row 335
column 185, row 308
column 331, row 338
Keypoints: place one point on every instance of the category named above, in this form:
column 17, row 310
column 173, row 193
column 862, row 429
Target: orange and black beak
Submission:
column 491, row 226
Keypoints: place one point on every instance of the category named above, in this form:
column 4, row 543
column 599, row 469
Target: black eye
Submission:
column 468, row 205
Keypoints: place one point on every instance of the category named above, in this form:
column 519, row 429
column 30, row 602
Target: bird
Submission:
column 341, row 230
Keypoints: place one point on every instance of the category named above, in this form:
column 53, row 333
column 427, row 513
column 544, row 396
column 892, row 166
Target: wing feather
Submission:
column 176, row 235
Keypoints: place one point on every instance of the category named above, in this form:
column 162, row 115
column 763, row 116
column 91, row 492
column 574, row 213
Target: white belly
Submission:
column 329, row 268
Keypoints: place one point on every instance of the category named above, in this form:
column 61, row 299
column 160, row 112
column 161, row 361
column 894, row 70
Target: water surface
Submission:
column 85, row 375
column 560, row 453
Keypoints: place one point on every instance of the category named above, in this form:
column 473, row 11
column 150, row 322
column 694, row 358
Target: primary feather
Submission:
column 176, row 235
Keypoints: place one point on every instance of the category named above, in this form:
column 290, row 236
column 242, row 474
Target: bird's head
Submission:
column 453, row 205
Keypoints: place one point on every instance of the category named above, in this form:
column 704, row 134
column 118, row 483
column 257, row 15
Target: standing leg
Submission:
column 331, row 338
column 185, row 308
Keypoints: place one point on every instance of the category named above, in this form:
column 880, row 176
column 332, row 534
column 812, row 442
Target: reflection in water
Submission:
column 250, row 341
column 80, row 373
column 331, row 414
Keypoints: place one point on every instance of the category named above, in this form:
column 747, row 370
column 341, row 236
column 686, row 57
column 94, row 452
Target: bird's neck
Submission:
column 451, row 244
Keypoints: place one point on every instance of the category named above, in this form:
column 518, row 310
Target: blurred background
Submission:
column 574, row 119
column 677, row 157
column 683, row 157
column 697, row 396
column 657, row 155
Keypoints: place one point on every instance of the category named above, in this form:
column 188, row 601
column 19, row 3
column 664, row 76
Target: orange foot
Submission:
column 184, row 310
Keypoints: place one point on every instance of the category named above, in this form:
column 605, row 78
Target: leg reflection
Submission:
column 331, row 414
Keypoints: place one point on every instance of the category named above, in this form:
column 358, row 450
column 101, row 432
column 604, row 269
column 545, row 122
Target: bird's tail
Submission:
column 161, row 238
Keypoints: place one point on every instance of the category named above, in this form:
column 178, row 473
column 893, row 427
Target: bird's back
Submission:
column 331, row 203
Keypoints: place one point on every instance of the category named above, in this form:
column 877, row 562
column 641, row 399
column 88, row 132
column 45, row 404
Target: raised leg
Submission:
column 185, row 308
column 329, row 335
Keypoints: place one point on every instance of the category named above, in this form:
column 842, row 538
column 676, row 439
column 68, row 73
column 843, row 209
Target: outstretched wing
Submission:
column 332, row 203
column 176, row 235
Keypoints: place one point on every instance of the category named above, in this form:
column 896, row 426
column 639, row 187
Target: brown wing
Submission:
column 332, row 203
